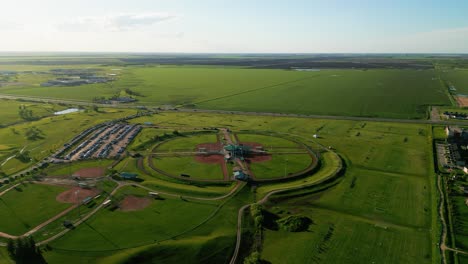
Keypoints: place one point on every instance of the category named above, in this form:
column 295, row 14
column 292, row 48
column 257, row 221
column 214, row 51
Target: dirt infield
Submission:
column 462, row 101
column 210, row 159
column 210, row 146
column 259, row 158
column 90, row 172
column 76, row 195
column 133, row 203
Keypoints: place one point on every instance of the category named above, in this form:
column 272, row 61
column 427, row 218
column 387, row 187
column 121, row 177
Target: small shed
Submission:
column 241, row 176
column 128, row 175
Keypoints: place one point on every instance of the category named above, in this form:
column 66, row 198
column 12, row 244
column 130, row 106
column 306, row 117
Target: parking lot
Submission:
column 106, row 141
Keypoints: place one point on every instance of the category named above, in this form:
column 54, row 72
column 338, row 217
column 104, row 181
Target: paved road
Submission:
column 188, row 110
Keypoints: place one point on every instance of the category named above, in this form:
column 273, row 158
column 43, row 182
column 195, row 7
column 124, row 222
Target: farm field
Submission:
column 29, row 206
column 457, row 78
column 380, row 93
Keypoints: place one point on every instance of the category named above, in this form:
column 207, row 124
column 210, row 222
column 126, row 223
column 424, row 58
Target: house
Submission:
column 453, row 131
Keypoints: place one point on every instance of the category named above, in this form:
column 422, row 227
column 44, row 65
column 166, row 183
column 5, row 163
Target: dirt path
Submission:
column 435, row 116
column 443, row 239
column 9, row 189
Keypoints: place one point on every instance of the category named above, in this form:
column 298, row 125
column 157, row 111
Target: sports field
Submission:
column 28, row 206
column 386, row 191
column 189, row 166
column 71, row 168
column 385, row 197
column 169, row 217
column 280, row 166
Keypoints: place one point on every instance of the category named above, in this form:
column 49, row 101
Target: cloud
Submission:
column 120, row 22
column 8, row 25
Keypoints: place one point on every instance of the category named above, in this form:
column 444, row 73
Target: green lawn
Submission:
column 339, row 238
column 268, row 142
column 280, row 165
column 70, row 168
column 33, row 204
column 188, row 165
column 10, row 110
column 188, row 143
column 104, row 231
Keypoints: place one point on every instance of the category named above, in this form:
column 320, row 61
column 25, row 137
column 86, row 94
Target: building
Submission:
column 241, row 176
column 453, row 131
column 128, row 175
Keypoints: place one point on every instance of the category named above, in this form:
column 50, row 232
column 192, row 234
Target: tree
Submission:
column 24, row 251
column 254, row 258
column 25, row 113
column 33, row 133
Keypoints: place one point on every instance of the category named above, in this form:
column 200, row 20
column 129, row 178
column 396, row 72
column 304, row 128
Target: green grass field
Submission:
column 457, row 78
column 29, row 206
column 169, row 217
column 280, row 166
column 386, row 192
column 341, row 238
column 10, row 110
column 70, row 168
column 188, row 143
column 55, row 131
column 188, row 165
column 383, row 203
column 382, row 93
column 268, row 142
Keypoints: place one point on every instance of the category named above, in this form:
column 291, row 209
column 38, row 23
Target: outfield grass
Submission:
column 268, row 142
column 188, row 143
column 280, row 166
column 104, row 231
column 23, row 210
column 188, row 165
column 68, row 169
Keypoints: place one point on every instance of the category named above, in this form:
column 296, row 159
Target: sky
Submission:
column 235, row 26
